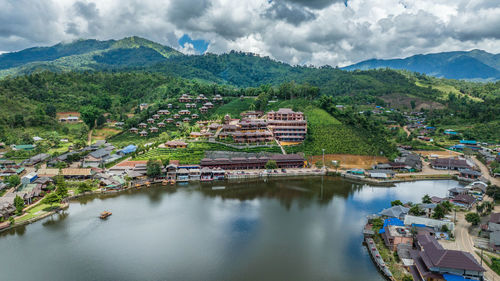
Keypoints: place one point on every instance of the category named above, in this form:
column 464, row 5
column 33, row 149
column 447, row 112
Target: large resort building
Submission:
column 287, row 125
column 254, row 162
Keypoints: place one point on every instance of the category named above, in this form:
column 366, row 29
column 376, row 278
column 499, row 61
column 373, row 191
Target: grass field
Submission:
column 37, row 211
column 233, row 108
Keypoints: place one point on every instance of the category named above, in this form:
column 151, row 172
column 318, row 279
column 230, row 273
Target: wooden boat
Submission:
column 105, row 214
column 164, row 182
column 172, row 182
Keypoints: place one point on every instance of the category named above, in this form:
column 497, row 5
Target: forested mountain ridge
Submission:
column 471, row 65
column 87, row 54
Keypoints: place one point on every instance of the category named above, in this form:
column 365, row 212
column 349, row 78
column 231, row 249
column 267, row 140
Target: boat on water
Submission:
column 105, row 214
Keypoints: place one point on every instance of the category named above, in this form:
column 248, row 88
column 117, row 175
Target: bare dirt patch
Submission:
column 439, row 153
column 349, row 161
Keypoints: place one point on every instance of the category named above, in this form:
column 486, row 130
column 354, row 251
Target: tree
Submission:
column 271, row 165
column 426, row 199
column 447, row 206
column 153, row 168
column 51, row 110
column 416, row 211
column 412, row 103
column 89, row 115
column 51, row 199
column 19, row 204
column 14, row 181
column 472, row 218
column 396, row 203
column 444, row 228
column 84, row 187
column 439, row 212
column 407, row 278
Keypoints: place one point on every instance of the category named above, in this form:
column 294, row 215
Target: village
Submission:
column 253, row 146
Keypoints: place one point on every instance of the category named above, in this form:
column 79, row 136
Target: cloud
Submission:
column 315, row 32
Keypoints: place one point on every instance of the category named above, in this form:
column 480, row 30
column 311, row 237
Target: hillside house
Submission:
column 163, row 112
column 449, row 164
column 153, row 130
column 203, row 109
column 156, row 116
column 142, row 125
column 143, row 133
column 185, row 98
column 134, row 130
column 208, row 105
column 150, row 121
column 175, row 144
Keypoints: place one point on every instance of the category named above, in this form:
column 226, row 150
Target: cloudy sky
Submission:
column 318, row 32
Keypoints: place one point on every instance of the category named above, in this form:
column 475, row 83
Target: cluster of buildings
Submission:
column 254, row 161
column 285, row 126
column 415, row 239
column 167, row 116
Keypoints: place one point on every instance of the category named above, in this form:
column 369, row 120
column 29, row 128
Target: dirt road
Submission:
column 486, row 172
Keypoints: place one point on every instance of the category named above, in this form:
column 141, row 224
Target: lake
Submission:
column 279, row 229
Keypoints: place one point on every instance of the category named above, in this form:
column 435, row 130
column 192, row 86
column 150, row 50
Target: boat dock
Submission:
column 377, row 258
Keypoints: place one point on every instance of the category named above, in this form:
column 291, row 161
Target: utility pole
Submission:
column 323, row 158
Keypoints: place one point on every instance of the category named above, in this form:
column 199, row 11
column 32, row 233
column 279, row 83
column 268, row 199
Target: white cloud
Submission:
column 299, row 32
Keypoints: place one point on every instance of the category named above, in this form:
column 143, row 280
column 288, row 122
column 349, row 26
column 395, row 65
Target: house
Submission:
column 477, row 187
column 161, row 125
column 182, row 175
column 437, row 225
column 185, row 98
column 134, row 130
column 76, row 173
column 195, row 135
column 463, row 200
column 469, row 174
column 186, row 120
column 397, row 211
column 143, row 133
column 156, row 116
column 29, row 191
column 171, row 172
column 195, row 116
column 433, row 262
column 194, row 174
column 208, row 105
column 218, row 174
column 178, row 124
column 177, row 116
column 163, row 112
column 153, row 130
column 142, row 125
column 39, row 158
column 127, row 150
column 175, row 144
column 457, row 190
column 285, row 114
column 96, row 158
column 7, row 207
column 169, row 120
column 252, row 114
column 450, row 164
column 143, row 106
column 29, row 178
column 201, row 98
column 26, row 147
column 150, row 121
column 169, row 105
column 184, row 112
column 203, row 109
column 395, row 235
column 217, row 98
column 427, row 208
column 206, row 174
column 381, row 174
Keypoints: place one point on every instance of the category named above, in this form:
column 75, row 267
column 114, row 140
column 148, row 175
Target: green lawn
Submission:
column 233, row 108
column 37, row 211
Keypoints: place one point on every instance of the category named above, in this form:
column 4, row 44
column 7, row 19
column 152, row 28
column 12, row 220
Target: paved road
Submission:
column 486, row 172
column 463, row 242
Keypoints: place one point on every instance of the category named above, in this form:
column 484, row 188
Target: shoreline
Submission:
column 234, row 177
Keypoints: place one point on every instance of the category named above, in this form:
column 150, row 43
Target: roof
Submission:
column 99, row 153
column 394, row 211
column 76, row 172
column 381, row 172
column 495, row 218
column 129, row 149
column 436, row 256
column 175, row 143
column 470, row 172
column 466, row 198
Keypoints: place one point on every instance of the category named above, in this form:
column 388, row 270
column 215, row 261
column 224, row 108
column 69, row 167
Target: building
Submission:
column 285, row 114
column 39, row 158
column 450, row 164
column 184, row 112
column 395, row 235
column 381, row 174
column 182, row 175
column 437, row 225
column 433, row 262
column 163, row 112
column 151, row 121
column 127, row 150
column 161, row 125
column 142, row 125
column 185, row 98
column 469, row 174
column 96, row 158
column 252, row 114
column 464, row 200
column 134, row 130
column 253, row 137
column 153, row 130
column 29, row 178
column 194, row 174
column 76, row 173
column 208, row 105
column 217, row 98
column 206, row 174
column 203, row 109
column 254, row 162
column 397, row 211
column 143, row 133
column 175, row 144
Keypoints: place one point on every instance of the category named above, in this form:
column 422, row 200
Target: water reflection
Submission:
column 282, row 229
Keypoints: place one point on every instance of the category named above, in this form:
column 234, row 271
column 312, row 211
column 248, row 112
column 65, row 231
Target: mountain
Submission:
column 471, row 65
column 85, row 55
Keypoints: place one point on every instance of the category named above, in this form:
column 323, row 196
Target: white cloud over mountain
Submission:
column 317, row 32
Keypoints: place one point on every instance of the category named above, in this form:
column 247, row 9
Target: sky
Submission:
column 305, row 32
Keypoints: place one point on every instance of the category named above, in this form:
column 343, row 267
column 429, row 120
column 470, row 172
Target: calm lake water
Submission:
column 284, row 229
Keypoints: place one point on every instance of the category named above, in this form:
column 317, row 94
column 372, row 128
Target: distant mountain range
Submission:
column 471, row 65
column 236, row 68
